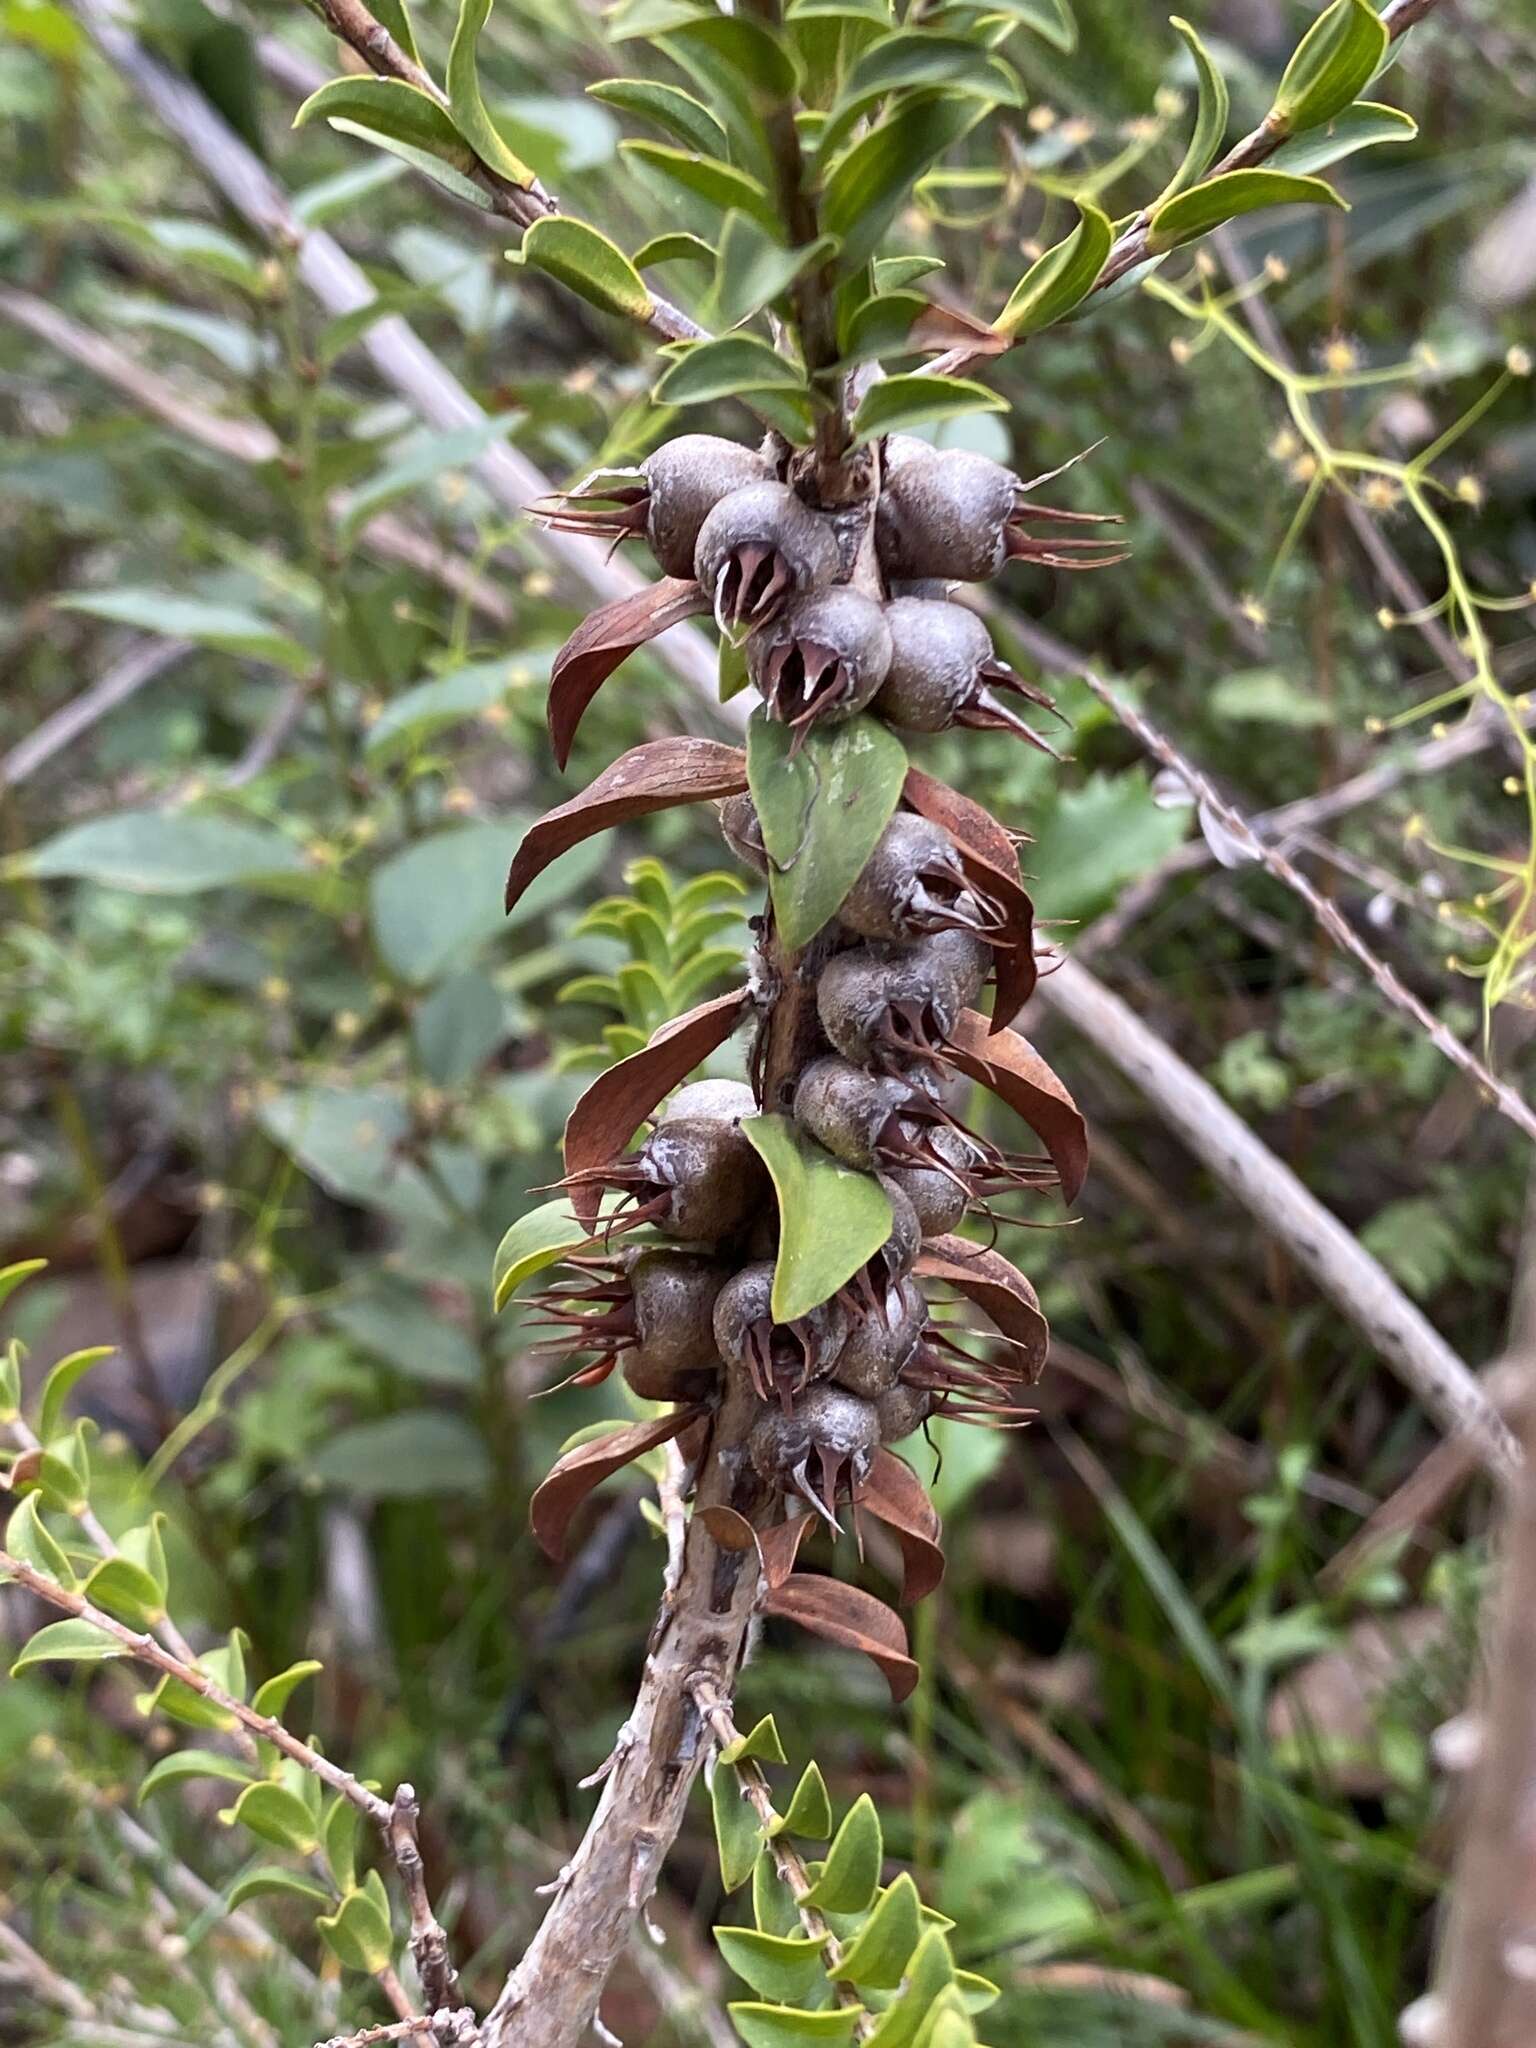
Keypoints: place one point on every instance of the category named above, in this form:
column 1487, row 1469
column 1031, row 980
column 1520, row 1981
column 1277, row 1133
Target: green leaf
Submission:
column 1211, row 114
column 878, row 326
column 868, row 185
column 783, row 1967
column 1339, row 55
column 780, row 2026
column 271, row 1879
column 738, row 1832
column 183, row 1764
column 276, row 1815
column 909, row 58
column 1095, row 839
column 851, row 1874
column 719, row 184
column 669, row 107
column 760, row 58
column 10, row 1372
column 754, row 269
column 931, row 1973
column 467, row 106
column 432, row 456
column 27, row 1537
column 358, row 1933
column 409, row 1456
column 732, row 671
column 125, row 1590
column 677, row 247
column 877, row 1957
column 272, row 1697
column 433, row 905
column 584, row 260
column 17, row 1275
column 893, row 273
column 1362, row 126
column 809, row 1814
column 541, row 1238
column 226, row 1667
column 59, row 1484
column 339, row 1834
column 722, row 369
column 762, row 1743
column 897, row 404
column 1060, row 279
column 164, row 853
column 398, row 117
column 396, row 17
column 458, row 1027
column 408, row 721
column 1269, row 696
column 832, row 1218
column 68, row 1642
column 1051, row 19
column 228, row 627
column 773, row 1905
column 57, row 1386
column 821, row 813
column 980, row 1993
column 145, row 1547
column 1206, row 206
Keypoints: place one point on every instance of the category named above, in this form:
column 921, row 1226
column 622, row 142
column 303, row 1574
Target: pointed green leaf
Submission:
column 677, row 247
column 773, row 1905
column 14, row 1276
column 832, row 1218
column 809, row 1814
column 877, row 1958
column 1211, row 111
column 738, row 1832
column 762, row 1743
column 183, row 1764
column 851, row 1874
column 1060, row 279
column 821, row 813
column 64, row 1376
column 145, row 1547
column 878, row 326
column 931, row 1973
column 754, row 269
column 733, row 668
column 269, row 1879
column 1050, row 19
column 126, row 1591
column 396, row 17
column 1206, row 206
column 780, row 2026
column 784, row 1967
column 541, row 1238
column 68, row 1642
column 358, row 1933
column 59, row 1484
column 724, row 369
column 464, row 100
column 669, row 107
column 1362, row 126
column 339, row 1835
column 948, row 2026
column 979, row 1993
column 756, row 54
column 276, row 1815
column 226, row 1667
column 10, row 1381
column 869, row 183
column 398, row 117
column 709, row 178
column 897, row 404
column 272, row 1697
column 1337, row 58
column 584, row 260
column 28, row 1538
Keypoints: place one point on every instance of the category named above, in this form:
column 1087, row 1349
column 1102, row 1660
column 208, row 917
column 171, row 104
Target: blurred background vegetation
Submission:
column 277, row 1074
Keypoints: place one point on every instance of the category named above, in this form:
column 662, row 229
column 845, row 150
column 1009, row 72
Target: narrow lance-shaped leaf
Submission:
column 398, row 117
column 612, row 1109
column 738, row 1831
column 1009, row 1065
column 678, row 112
column 1337, row 57
column 586, row 262
column 851, row 1618
column 997, row 1288
column 893, row 1494
column 572, row 1478
column 1206, row 206
column 716, row 182
column 1362, row 126
column 61, row 1382
column 832, row 1219
column 466, row 104
column 1211, row 111
column 603, row 640
column 850, row 1877
column 1060, row 279
column 896, row 404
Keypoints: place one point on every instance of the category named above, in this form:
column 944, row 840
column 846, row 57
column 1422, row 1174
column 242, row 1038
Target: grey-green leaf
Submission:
column 1060, row 279
column 1362, row 126
column 165, row 853
column 850, row 1876
column 1223, row 198
column 738, row 1831
column 669, row 107
column 896, row 404
column 832, row 1218
column 586, row 262
column 397, row 116
column 466, row 104
column 1212, row 109
column 783, row 1967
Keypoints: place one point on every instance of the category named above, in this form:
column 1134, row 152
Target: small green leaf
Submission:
column 1050, row 19
column 736, row 366
column 396, row 17
column 896, row 404
column 738, row 1832
column 763, row 1744
column 809, row 1814
column 876, row 1959
column 1211, row 113
column 126, row 1591
column 1060, row 279
column 68, row 1642
column 732, row 668
column 1362, row 126
column 464, row 100
column 226, row 1667
column 10, row 1367
column 60, row 1484
column 339, row 1834
column 541, row 1238
column 276, row 1815
column 878, row 326
column 670, row 108
column 851, row 1873
column 754, row 268
column 773, row 1904
column 832, row 1218
column 677, row 247
column 948, row 2026
column 584, row 260
column 63, row 1377
column 783, row 1967
column 780, row 2026
column 398, row 117
column 163, row 853
column 358, row 1933
column 1206, row 206
column 28, row 1538
column 183, row 1764
column 145, row 1547
column 272, row 1697
column 760, row 58
column 270, row 1879
column 1337, row 57
column 821, row 812
column 14, row 1276
column 719, row 184
column 228, row 627
column 869, row 183
column 931, row 1973
column 980, row 1993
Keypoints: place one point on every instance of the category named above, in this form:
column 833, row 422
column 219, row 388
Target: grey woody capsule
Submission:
column 941, row 661
column 742, row 832
column 961, row 964
column 945, row 515
column 779, row 1359
column 717, row 1101
column 687, row 479
column 757, row 549
column 850, row 1111
column 821, row 1451
column 883, row 1007
column 715, row 1178
column 822, row 658
column 939, row 1198
column 674, row 1356
column 901, row 1411
column 914, row 883
column 879, row 1346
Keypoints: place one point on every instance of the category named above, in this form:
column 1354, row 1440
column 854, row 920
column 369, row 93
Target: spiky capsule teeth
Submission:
column 822, row 1452
column 749, row 586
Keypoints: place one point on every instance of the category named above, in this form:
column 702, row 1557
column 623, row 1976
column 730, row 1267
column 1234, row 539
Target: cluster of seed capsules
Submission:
column 840, row 614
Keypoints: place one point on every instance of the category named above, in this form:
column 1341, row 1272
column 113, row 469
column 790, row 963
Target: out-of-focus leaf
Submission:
column 271, row 1880
column 28, row 1538
column 433, row 456
column 165, row 853
column 1097, row 838
column 62, row 1379
column 458, row 1027
column 228, row 627
column 404, row 1457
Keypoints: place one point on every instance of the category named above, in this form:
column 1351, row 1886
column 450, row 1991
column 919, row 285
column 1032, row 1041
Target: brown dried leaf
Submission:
column 1016, row 1074
column 605, row 638
column 997, row 1288
column 777, row 1548
column 654, row 777
column 943, row 328
column 574, row 1476
column 992, row 863
column 894, row 1494
column 853, row 1619
column 613, row 1108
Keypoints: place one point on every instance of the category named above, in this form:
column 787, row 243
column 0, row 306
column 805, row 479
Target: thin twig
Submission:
column 129, row 674
column 44, row 1980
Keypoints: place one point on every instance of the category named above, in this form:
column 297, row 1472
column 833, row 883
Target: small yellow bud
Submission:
column 496, row 715
column 275, row 990
column 1180, row 350
column 1518, row 362
column 1511, row 785
column 1042, row 119
column 371, row 709
column 193, row 788
column 401, row 610
column 320, row 853
column 1254, row 612
column 261, row 1259
column 1205, row 263
column 1168, row 103
column 1385, row 619
column 1381, row 494
column 348, row 1024
column 459, row 799
column 582, row 380
column 1304, row 469
column 1426, row 357
column 451, row 489
column 1284, row 445
column 1375, row 725
column 1414, row 828
column 519, row 676
column 1470, row 491
column 1276, row 269
column 1439, row 729
column 227, row 1273
column 1340, row 356
column 210, row 1196
column 1078, row 132
column 1032, row 249
column 365, row 831
column 539, row 584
